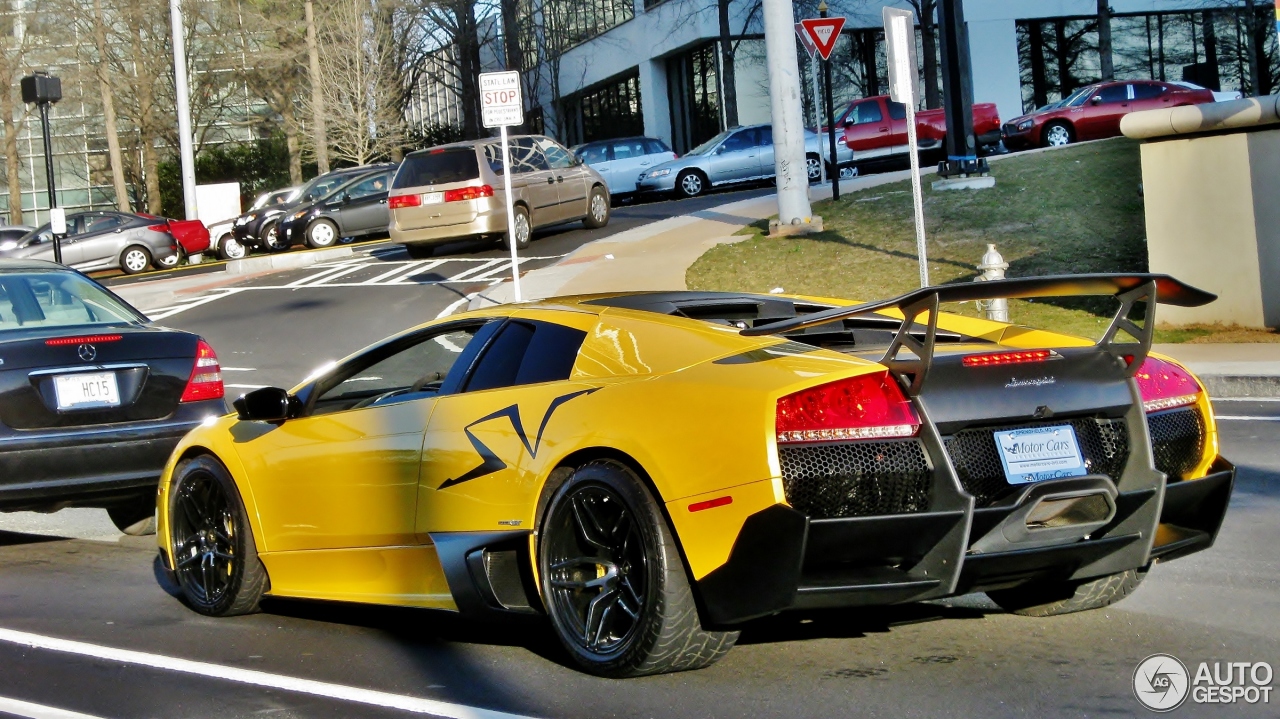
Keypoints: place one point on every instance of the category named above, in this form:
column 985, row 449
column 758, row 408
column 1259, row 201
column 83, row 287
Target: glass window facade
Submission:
column 693, row 89
column 609, row 110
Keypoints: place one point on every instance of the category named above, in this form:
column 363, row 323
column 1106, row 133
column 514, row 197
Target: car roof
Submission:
column 13, row 264
column 463, row 144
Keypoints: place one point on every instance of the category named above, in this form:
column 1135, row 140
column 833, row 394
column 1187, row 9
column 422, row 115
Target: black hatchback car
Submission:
column 93, row 397
column 357, row 208
column 261, row 228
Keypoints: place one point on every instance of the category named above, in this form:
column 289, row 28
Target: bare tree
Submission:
column 272, row 37
column 319, row 116
column 105, row 88
column 357, row 82
column 1105, row 60
column 15, row 47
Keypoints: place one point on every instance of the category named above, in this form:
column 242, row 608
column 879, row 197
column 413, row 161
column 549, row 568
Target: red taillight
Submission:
column 865, row 407
column 468, row 193
column 1003, row 358
column 401, row 201
column 206, row 376
column 1165, row 385
column 86, row 339
column 162, row 227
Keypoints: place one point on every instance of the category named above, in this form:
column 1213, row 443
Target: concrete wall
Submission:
column 1213, row 222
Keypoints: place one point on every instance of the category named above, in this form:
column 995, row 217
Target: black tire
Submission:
column 214, row 556
column 691, row 183
column 639, row 617
column 230, row 249
column 269, row 237
column 322, row 233
column 419, row 251
column 1048, row 599
column 813, row 167
column 524, row 230
column 135, row 259
column 136, row 518
column 597, row 209
column 1049, row 136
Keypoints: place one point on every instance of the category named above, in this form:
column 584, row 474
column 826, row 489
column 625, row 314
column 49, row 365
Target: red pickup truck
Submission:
column 876, row 128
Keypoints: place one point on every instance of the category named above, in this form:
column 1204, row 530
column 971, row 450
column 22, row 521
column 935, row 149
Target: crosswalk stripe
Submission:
column 30, row 710
column 411, row 268
column 475, row 270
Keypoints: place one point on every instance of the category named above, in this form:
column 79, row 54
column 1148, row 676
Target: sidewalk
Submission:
column 656, row 257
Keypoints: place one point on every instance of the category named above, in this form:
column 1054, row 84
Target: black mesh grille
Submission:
column 856, row 479
column 1103, row 442
column 1177, row 440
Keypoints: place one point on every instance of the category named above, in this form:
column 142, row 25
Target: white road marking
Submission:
column 20, row 708
column 344, row 272
column 341, row 692
column 166, row 312
column 412, row 267
column 475, row 270
column 1244, row 418
column 496, row 272
column 328, row 270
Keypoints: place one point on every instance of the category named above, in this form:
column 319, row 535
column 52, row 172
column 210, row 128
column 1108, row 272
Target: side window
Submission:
column 558, row 158
column 493, row 156
column 407, row 373
column 897, row 111
column 656, row 146
column 526, row 352
column 626, row 149
column 525, row 156
column 742, row 140
column 765, row 135
column 1147, row 90
column 370, row 186
column 594, row 154
column 1113, row 93
column 867, row 111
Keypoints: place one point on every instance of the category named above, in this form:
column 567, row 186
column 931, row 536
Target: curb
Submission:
column 285, row 260
column 1239, row 386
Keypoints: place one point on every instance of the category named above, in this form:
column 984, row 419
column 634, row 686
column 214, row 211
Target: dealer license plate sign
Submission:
column 1040, row 453
column 432, row 198
column 86, row 390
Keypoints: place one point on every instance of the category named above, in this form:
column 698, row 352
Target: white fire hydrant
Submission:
column 992, row 268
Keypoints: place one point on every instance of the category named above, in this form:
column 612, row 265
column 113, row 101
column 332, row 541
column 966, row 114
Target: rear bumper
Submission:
column 94, row 466
column 490, row 221
column 783, row 560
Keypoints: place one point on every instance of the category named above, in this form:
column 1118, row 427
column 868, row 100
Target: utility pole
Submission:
column 831, row 116
column 957, row 93
column 43, row 89
column 788, row 120
column 185, row 150
column 317, row 92
column 1106, row 64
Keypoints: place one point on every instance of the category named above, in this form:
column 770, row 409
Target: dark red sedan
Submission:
column 1093, row 112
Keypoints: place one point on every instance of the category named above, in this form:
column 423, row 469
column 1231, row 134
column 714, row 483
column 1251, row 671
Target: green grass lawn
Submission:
column 1063, row 212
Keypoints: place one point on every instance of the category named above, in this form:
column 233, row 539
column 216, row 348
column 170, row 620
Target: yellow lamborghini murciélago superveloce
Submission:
column 651, row 470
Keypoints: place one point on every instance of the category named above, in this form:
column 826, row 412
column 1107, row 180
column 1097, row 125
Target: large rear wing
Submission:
column 1129, row 289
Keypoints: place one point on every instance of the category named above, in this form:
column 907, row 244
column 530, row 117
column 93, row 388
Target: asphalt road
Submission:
column 87, row 625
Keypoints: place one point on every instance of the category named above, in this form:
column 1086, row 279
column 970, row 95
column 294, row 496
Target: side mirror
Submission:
column 267, row 404
column 848, row 123
column 1097, row 100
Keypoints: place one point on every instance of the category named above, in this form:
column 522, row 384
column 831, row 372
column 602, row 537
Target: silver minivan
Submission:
column 456, row 191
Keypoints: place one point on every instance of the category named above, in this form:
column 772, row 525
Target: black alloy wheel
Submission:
column 214, row 558
column 613, row 581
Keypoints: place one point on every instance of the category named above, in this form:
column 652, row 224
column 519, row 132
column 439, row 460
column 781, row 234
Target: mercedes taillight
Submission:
column 870, row 406
column 206, row 376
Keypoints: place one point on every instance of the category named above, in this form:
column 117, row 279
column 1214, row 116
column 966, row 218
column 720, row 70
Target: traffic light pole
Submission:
column 957, row 92
column 831, row 120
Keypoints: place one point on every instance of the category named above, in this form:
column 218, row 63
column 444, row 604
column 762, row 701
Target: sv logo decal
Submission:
column 490, row 462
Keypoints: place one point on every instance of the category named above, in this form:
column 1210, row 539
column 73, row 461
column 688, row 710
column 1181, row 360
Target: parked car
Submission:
column 737, row 155
column 1093, row 112
column 875, row 129
column 620, row 162
column 260, row 228
column 105, row 240
column 193, row 239
column 357, row 208
column 816, row 155
column 456, row 191
column 93, row 397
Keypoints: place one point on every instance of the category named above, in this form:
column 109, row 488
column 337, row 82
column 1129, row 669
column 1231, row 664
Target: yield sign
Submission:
column 807, row 42
column 823, row 32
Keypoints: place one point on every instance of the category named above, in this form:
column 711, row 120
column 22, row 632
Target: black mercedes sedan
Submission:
column 93, row 397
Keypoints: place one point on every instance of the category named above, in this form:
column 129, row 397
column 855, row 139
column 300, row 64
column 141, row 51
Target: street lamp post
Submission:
column 957, row 92
column 43, row 89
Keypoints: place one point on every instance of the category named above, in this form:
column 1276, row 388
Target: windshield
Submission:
column 57, row 299
column 707, row 146
column 1078, row 97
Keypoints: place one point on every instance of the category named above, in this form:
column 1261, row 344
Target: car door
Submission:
column 597, row 156
column 364, row 210
column 537, row 182
column 572, row 180
column 867, row 131
column 1102, row 112
column 345, row 474
column 765, row 138
column 98, row 238
column 1150, row 95
column 630, row 158
column 897, row 127
column 481, row 439
column 736, row 159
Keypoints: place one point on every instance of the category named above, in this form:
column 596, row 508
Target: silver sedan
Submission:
column 737, row 155
column 102, row 241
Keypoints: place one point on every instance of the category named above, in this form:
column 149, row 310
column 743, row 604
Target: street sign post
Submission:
column 807, row 43
column 824, row 32
column 501, row 106
column 900, row 51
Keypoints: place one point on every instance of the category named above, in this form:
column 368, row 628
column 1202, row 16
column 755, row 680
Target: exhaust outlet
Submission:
column 1069, row 511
